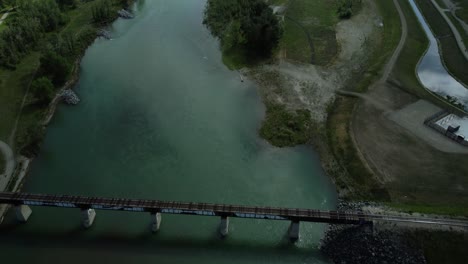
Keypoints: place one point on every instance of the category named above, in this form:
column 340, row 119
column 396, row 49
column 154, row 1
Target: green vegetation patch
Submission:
column 248, row 30
column 430, row 209
column 415, row 46
column 284, row 128
column 460, row 28
column 13, row 85
column 462, row 13
column 46, row 52
column 309, row 32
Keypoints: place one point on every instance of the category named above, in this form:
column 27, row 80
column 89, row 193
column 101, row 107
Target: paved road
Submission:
column 454, row 29
column 9, row 157
column 453, row 8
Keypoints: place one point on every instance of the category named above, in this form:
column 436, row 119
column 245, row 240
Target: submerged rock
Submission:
column 70, row 97
column 104, row 33
column 125, row 14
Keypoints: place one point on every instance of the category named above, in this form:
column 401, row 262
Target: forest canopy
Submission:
column 249, row 25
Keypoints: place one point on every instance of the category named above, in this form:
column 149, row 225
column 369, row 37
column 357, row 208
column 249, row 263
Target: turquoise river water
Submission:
column 162, row 118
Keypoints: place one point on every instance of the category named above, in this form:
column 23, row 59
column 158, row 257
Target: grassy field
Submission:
column 452, row 56
column 430, row 209
column 441, row 246
column 309, row 34
column 462, row 13
column 13, row 85
column 360, row 179
column 459, row 27
column 415, row 47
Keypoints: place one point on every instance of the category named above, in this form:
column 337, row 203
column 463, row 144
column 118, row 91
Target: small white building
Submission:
column 455, row 124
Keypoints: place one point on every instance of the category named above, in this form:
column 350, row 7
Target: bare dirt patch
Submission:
column 312, row 87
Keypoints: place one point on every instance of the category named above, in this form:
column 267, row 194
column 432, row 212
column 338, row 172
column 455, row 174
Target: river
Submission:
column 162, row 118
column 431, row 70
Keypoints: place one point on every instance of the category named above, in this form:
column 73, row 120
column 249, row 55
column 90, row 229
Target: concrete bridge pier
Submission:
column 155, row 222
column 87, row 217
column 293, row 231
column 23, row 212
column 224, row 226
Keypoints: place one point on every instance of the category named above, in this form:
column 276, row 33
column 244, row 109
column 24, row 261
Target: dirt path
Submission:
column 10, row 164
column 377, row 103
column 4, row 16
column 404, row 34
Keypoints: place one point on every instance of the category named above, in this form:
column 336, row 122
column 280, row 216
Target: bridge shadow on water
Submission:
column 105, row 244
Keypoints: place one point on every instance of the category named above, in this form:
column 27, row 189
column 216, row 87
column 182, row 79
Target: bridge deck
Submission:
column 207, row 209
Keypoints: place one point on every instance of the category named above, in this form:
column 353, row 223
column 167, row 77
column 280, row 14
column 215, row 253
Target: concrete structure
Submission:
column 87, row 205
column 224, row 226
column 455, row 121
column 155, row 222
column 293, row 231
column 87, row 217
column 23, row 212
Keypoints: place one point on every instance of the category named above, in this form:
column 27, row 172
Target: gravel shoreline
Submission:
column 364, row 244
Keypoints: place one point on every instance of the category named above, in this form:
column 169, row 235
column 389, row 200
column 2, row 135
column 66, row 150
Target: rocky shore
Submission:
column 365, row 244
column 360, row 244
column 70, row 97
column 125, row 14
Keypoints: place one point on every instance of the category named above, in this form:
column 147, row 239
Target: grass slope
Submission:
column 452, row 56
column 309, row 34
column 358, row 177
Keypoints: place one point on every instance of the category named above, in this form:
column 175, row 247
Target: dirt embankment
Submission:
column 312, row 87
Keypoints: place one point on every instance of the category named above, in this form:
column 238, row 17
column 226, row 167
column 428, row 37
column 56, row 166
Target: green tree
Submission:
column 43, row 89
column 245, row 24
column 101, row 11
column 55, row 67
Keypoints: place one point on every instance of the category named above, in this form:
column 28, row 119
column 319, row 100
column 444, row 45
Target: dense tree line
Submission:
column 102, row 11
column 6, row 3
column 246, row 24
column 26, row 28
column 346, row 7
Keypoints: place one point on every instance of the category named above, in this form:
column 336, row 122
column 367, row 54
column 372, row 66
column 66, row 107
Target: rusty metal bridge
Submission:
column 88, row 205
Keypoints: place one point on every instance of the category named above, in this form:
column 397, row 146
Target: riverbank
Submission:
column 34, row 120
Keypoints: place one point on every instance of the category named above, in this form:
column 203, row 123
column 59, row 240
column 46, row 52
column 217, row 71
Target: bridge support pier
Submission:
column 293, row 231
column 155, row 222
column 224, row 226
column 87, row 217
column 23, row 212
